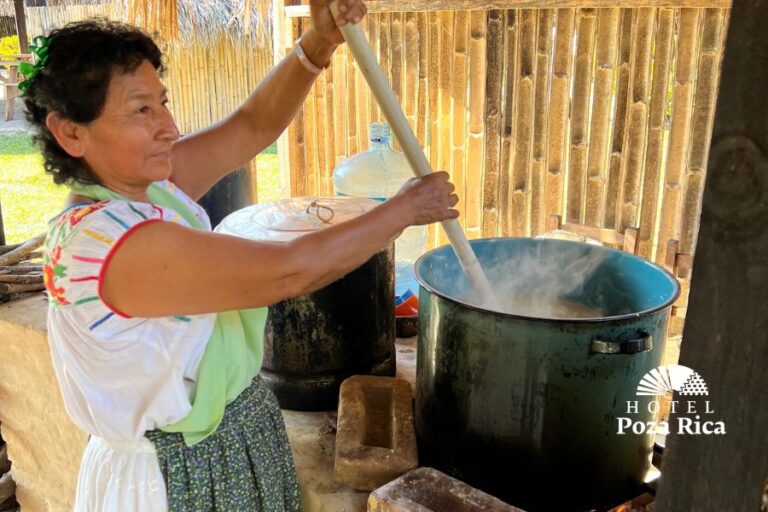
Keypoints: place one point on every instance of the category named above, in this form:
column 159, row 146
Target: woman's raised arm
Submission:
column 203, row 158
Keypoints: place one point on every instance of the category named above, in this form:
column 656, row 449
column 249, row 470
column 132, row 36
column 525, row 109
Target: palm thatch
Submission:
column 176, row 22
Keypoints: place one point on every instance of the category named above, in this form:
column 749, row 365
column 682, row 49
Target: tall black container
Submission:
column 313, row 342
column 230, row 194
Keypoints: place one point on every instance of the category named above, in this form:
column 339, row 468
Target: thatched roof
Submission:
column 183, row 21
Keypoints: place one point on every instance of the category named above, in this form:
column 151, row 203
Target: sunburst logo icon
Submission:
column 672, row 377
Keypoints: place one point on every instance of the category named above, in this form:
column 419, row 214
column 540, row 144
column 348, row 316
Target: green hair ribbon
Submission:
column 39, row 47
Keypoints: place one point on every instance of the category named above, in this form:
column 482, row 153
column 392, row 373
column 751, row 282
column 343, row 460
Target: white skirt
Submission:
column 117, row 476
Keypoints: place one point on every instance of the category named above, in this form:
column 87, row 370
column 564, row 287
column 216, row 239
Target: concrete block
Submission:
column 376, row 438
column 429, row 490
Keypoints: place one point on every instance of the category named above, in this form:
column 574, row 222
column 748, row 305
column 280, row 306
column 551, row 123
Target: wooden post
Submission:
column 21, row 25
column 726, row 334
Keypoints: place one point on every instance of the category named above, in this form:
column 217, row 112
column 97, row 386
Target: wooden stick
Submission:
column 21, row 269
column 27, row 278
column 23, row 252
column 365, row 58
column 8, row 248
column 9, row 288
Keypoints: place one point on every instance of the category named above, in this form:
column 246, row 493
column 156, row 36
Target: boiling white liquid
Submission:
column 544, row 306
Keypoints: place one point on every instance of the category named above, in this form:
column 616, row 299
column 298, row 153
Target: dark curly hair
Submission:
column 82, row 59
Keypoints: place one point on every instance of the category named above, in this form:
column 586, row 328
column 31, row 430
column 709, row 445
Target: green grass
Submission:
column 29, row 198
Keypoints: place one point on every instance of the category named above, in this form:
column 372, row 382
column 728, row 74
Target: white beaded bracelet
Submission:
column 305, row 60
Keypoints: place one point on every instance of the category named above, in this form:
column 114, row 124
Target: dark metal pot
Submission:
column 314, row 342
column 526, row 407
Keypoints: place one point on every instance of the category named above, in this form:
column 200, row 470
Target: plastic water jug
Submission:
column 378, row 174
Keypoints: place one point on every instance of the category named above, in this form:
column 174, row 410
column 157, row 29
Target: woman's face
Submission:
column 129, row 145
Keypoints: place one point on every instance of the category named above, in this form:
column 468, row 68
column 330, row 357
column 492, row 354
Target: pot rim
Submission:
column 605, row 319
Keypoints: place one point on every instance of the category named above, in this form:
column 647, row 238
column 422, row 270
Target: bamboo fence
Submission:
column 209, row 72
column 597, row 111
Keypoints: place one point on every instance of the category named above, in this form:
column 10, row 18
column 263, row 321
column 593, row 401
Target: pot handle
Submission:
column 635, row 346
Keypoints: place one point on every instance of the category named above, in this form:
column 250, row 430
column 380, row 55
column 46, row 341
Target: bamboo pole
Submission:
column 637, row 121
column 331, row 104
column 507, row 122
column 373, row 36
column 541, row 115
column 582, row 83
column 445, row 88
column 680, row 129
column 325, row 169
column 459, row 110
column 712, row 41
column 523, row 130
column 422, row 104
column 362, row 101
column 493, row 96
column 477, row 85
column 559, row 109
column 339, row 112
column 434, row 97
column 662, row 63
column 619, row 120
column 397, row 55
column 606, row 47
column 352, row 134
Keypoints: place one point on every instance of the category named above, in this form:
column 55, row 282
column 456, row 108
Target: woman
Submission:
column 155, row 323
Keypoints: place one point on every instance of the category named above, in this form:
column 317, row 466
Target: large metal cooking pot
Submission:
column 525, row 406
column 315, row 341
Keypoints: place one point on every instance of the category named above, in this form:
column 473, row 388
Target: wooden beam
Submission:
column 726, row 331
column 21, row 25
column 302, row 11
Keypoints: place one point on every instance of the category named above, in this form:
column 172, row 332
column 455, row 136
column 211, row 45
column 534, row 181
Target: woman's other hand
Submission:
column 428, row 199
column 350, row 11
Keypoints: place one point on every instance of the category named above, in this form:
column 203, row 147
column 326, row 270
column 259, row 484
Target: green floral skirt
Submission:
column 246, row 465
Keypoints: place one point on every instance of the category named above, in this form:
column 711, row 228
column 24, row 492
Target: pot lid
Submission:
column 287, row 219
